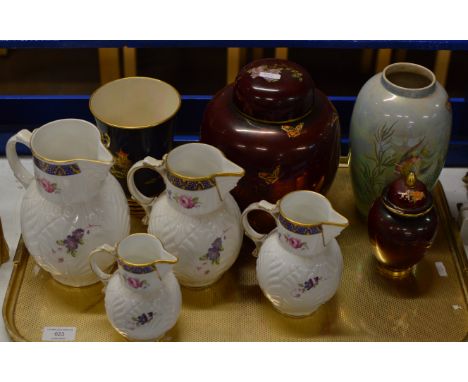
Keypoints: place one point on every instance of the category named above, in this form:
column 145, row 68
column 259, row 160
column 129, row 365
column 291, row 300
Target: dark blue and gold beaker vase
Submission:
column 136, row 117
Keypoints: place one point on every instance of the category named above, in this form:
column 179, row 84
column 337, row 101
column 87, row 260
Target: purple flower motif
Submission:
column 70, row 243
column 74, row 240
column 78, row 234
column 143, row 318
column 213, row 253
column 307, row 285
column 217, row 245
column 310, row 283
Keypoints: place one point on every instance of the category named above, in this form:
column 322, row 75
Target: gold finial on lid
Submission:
column 411, row 179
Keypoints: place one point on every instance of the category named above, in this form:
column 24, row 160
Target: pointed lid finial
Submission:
column 408, row 195
column 411, row 179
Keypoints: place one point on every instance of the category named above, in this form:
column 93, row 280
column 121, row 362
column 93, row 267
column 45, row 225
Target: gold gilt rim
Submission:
column 274, row 122
column 398, row 212
column 45, row 159
column 201, row 178
column 154, row 124
column 310, row 225
column 126, row 262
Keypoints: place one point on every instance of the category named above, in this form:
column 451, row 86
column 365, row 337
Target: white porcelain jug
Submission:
column 299, row 263
column 72, row 202
column 143, row 298
column 196, row 218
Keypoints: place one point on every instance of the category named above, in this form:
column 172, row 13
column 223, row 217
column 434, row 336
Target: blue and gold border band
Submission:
column 139, row 270
column 300, row 229
column 57, row 169
column 190, row 184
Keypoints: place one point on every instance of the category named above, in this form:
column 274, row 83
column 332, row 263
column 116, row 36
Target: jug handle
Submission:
column 20, row 172
column 144, row 201
column 258, row 238
column 104, row 276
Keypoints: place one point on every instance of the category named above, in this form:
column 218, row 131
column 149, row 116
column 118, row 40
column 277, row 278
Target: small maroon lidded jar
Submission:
column 402, row 225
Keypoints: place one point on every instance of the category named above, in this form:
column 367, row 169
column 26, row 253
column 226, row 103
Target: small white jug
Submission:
column 143, row 298
column 299, row 263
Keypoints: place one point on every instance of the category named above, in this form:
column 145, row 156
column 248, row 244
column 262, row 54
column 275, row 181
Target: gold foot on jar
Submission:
column 394, row 273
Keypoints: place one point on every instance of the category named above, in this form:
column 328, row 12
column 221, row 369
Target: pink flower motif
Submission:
column 135, row 283
column 187, row 201
column 183, row 200
column 47, row 186
column 295, row 242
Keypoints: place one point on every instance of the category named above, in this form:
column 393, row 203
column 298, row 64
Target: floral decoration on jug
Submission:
column 74, row 240
column 135, row 283
column 213, row 255
column 294, row 242
column 140, row 320
column 307, row 285
column 184, row 201
column 47, row 186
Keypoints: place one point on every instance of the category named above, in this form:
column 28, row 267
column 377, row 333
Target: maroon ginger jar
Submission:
column 274, row 123
column 402, row 225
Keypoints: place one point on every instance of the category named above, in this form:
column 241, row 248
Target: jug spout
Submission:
column 104, row 156
column 228, row 178
column 98, row 164
column 333, row 227
column 70, row 161
column 165, row 263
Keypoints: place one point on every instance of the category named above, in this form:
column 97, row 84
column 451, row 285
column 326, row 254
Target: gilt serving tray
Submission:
column 431, row 305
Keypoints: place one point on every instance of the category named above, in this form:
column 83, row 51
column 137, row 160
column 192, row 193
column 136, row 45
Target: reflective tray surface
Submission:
column 367, row 307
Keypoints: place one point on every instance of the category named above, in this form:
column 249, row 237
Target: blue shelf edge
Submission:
column 31, row 111
column 328, row 44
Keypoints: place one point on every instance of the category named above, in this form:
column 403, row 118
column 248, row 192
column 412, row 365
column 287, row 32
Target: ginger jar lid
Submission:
column 273, row 90
column 407, row 196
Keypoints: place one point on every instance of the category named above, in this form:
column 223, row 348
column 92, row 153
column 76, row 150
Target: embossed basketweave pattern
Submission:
column 367, row 307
